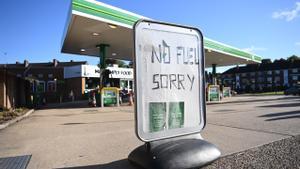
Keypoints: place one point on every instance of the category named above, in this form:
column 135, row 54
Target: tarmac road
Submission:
column 103, row 137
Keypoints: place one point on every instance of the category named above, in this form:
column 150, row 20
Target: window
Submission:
column 252, row 73
column 50, row 76
column 40, row 87
column 244, row 74
column 277, row 72
column 269, row 72
column 260, row 80
column 260, row 73
column 245, row 81
column 40, row 75
column 295, row 70
column 269, row 79
column 29, row 75
column 295, row 78
column 51, row 86
column 277, row 79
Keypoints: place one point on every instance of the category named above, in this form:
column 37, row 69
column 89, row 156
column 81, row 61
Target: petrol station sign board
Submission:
column 169, row 77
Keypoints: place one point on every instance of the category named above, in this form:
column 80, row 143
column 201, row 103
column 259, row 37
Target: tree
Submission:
column 280, row 61
column 293, row 58
column 266, row 61
column 120, row 63
column 111, row 62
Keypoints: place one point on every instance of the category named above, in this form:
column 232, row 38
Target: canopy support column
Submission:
column 102, row 58
column 214, row 74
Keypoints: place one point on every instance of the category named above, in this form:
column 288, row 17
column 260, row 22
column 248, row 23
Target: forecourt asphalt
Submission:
column 103, row 137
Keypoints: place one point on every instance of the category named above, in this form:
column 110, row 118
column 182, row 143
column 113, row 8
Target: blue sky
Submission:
column 32, row 29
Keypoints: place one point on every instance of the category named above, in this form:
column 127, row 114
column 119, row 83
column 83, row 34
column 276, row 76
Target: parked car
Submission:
column 295, row 90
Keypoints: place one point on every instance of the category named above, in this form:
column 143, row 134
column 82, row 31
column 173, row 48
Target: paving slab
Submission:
column 103, row 137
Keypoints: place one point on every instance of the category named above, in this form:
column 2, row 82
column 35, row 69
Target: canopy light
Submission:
column 112, row 26
column 95, row 34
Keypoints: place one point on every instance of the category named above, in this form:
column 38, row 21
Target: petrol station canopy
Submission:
column 91, row 23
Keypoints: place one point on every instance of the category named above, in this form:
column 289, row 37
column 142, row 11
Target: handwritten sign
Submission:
column 169, row 68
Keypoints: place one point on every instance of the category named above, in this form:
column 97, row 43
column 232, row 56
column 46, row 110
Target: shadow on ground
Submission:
column 282, row 115
column 76, row 104
column 262, row 99
column 283, row 105
column 100, row 122
column 120, row 164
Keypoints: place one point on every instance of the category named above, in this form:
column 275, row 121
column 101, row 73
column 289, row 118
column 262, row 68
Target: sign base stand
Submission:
column 189, row 151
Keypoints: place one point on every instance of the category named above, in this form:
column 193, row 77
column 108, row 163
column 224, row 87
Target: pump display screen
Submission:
column 169, row 76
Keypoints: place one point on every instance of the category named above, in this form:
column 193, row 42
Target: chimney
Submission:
column 55, row 62
column 17, row 62
column 26, row 63
column 71, row 60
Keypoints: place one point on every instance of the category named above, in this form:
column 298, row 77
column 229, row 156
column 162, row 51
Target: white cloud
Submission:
column 297, row 44
column 254, row 49
column 288, row 15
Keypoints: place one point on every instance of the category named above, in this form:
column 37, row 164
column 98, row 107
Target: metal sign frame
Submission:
column 202, row 105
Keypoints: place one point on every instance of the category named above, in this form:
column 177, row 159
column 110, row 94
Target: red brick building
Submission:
column 20, row 82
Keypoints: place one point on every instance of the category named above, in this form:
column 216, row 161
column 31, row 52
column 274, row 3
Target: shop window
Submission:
column 51, row 86
column 40, row 87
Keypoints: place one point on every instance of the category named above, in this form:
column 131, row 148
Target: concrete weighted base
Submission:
column 176, row 153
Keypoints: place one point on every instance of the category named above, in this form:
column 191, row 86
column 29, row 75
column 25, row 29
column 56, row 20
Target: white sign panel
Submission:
column 120, row 73
column 81, row 71
column 169, row 75
column 90, row 71
column 72, row 71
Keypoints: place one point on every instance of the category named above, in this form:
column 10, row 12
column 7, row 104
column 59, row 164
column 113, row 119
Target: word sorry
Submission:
column 173, row 81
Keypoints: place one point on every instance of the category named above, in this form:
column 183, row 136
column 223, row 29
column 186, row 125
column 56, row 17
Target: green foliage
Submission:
column 120, row 63
column 266, row 61
column 293, row 58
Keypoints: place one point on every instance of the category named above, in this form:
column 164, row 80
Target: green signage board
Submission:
column 214, row 93
column 109, row 96
column 226, row 92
